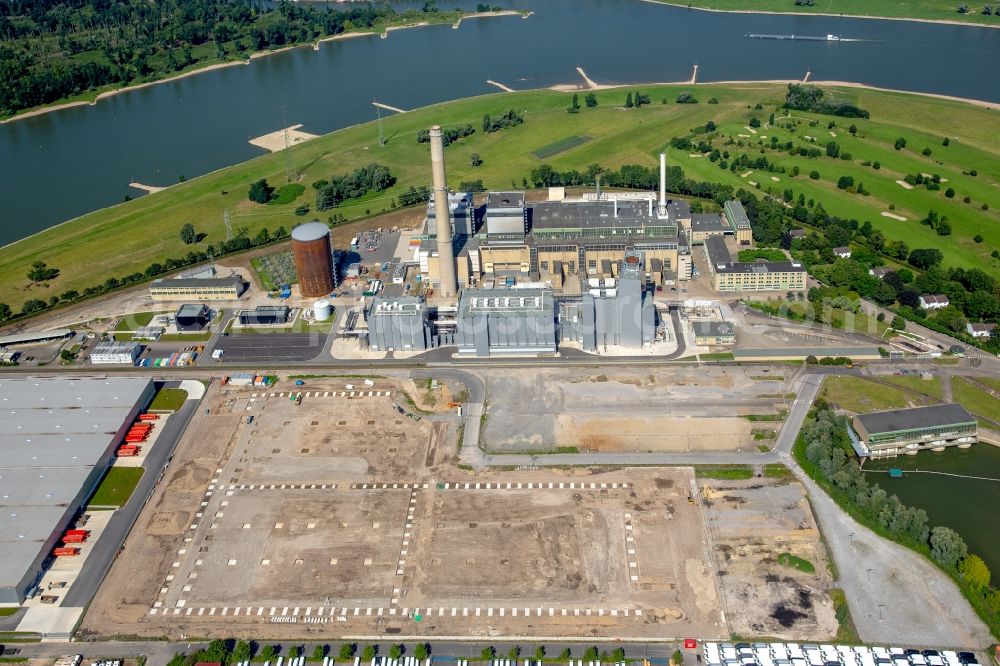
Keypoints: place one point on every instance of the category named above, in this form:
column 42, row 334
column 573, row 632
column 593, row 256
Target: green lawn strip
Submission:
column 976, row 400
column 717, row 356
column 136, row 320
column 795, row 562
column 861, row 395
column 6, row 612
column 617, row 137
column 928, row 10
column 561, row 146
column 780, row 416
column 723, row 472
column 777, row 471
column 116, row 486
column 932, row 387
column 847, row 633
column 168, row 400
column 992, row 382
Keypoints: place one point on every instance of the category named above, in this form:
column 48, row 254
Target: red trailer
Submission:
column 66, row 551
column 127, row 451
column 135, row 439
column 74, row 538
column 142, row 427
column 149, row 417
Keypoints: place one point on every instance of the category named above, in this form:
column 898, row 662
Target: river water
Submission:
column 60, row 165
column 967, row 505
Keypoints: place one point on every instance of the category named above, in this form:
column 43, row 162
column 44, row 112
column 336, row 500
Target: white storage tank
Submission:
column 322, row 310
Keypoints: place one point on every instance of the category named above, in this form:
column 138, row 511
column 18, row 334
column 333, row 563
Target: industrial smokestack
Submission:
column 663, row 182
column 446, row 254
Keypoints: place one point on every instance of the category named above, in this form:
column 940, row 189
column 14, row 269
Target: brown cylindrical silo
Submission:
column 313, row 259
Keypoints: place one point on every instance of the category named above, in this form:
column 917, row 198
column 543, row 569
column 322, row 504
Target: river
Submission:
column 60, row 165
column 968, row 506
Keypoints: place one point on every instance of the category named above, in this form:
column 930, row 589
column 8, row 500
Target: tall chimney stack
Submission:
column 446, row 253
column 663, row 183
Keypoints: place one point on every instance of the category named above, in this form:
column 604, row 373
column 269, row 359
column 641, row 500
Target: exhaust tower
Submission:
column 442, row 216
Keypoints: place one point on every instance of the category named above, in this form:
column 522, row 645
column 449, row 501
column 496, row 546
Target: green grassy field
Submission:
column 618, row 137
column 560, row 146
column 932, row 387
column 795, row 562
column 928, row 10
column 116, row 486
column 168, row 400
column 976, row 400
column 860, row 395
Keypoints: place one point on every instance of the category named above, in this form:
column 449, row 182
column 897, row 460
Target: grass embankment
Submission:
column 116, row 486
column 739, row 472
column 977, row 401
column 861, row 395
column 617, row 137
column 168, row 400
column 852, row 322
column 925, row 10
column 932, row 387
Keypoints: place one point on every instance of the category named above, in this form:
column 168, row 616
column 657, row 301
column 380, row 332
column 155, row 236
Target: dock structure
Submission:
column 499, row 85
column 694, row 74
column 390, row 108
column 586, row 79
column 805, row 79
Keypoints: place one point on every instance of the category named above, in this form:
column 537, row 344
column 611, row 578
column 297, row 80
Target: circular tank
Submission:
column 313, row 259
column 322, row 310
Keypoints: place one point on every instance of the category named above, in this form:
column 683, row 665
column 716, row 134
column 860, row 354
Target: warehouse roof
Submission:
column 53, row 432
column 192, row 310
column 198, row 283
column 574, row 214
column 29, row 338
column 708, row 222
column 917, row 417
column 505, row 302
column 718, row 253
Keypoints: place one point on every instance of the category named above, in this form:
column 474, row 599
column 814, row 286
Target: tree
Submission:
column 475, row 160
column 924, row 258
column 260, row 192
column 814, row 175
column 926, row 152
column 677, row 658
column 66, row 356
column 188, row 234
column 5, row 312
column 369, row 653
column 216, row 651
column 395, row 651
column 514, row 652
column 319, row 652
column 900, row 143
column 539, row 652
column 628, row 101
column 590, row 100
column 590, row 654
column 898, row 323
column 754, row 122
column 295, row 652
column 947, row 547
column 40, row 272
column 488, row 653
column 950, row 193
column 421, row 651
column 269, row 652
column 565, row 654
column 845, row 182
column 618, row 654
column 242, row 651
column 975, row 572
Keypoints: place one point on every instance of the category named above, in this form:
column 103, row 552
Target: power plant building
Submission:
column 57, row 439
column 191, row 317
column 399, row 324
column 313, row 257
column 198, row 289
column 506, row 321
column 461, row 214
column 265, row 315
column 897, row 431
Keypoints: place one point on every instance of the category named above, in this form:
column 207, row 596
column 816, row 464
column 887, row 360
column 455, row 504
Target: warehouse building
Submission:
column 191, row 318
column 506, row 321
column 111, row 352
column 891, row 433
column 265, row 315
column 399, row 324
column 37, row 338
column 198, row 289
column 728, row 275
column 57, row 439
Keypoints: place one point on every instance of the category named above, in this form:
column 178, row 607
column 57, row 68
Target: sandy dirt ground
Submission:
column 751, row 524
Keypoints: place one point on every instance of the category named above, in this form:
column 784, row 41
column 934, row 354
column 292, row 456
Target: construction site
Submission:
column 285, row 512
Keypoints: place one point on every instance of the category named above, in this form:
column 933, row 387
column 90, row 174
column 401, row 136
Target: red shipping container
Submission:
column 149, row 417
column 73, row 538
column 66, row 552
column 690, row 643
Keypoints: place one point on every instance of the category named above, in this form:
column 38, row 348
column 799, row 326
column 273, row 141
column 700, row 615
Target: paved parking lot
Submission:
column 289, row 347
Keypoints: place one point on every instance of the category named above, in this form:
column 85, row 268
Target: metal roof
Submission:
column 310, row 231
column 504, row 200
column 192, row 310
column 195, row 283
column 708, row 222
column 574, row 214
column 53, row 432
column 713, row 328
column 914, row 418
column 38, row 336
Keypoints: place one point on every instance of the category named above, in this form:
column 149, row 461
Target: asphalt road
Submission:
column 271, row 347
column 103, row 555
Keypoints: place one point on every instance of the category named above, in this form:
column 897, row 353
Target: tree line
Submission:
column 54, row 49
column 371, row 178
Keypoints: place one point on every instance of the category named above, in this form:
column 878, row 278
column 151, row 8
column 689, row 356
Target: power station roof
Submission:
column 915, row 418
column 575, row 214
column 310, row 231
column 504, row 200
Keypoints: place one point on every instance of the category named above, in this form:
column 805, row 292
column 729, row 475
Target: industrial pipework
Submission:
column 442, row 217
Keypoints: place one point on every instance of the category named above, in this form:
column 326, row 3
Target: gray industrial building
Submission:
column 57, row 438
column 506, row 215
column 506, row 321
column 612, row 312
column 191, row 317
column 399, row 324
column 265, row 315
column 461, row 214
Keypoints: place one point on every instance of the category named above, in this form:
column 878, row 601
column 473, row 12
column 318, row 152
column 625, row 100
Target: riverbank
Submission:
column 93, row 97
column 863, row 11
column 147, row 229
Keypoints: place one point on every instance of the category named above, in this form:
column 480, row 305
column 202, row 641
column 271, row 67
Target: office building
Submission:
column 728, row 276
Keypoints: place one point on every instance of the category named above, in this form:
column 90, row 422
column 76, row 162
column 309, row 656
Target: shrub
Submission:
column 814, row 174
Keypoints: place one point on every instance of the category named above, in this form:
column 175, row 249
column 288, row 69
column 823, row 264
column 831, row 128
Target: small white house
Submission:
column 842, row 252
column 879, row 271
column 978, row 330
column 934, row 301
